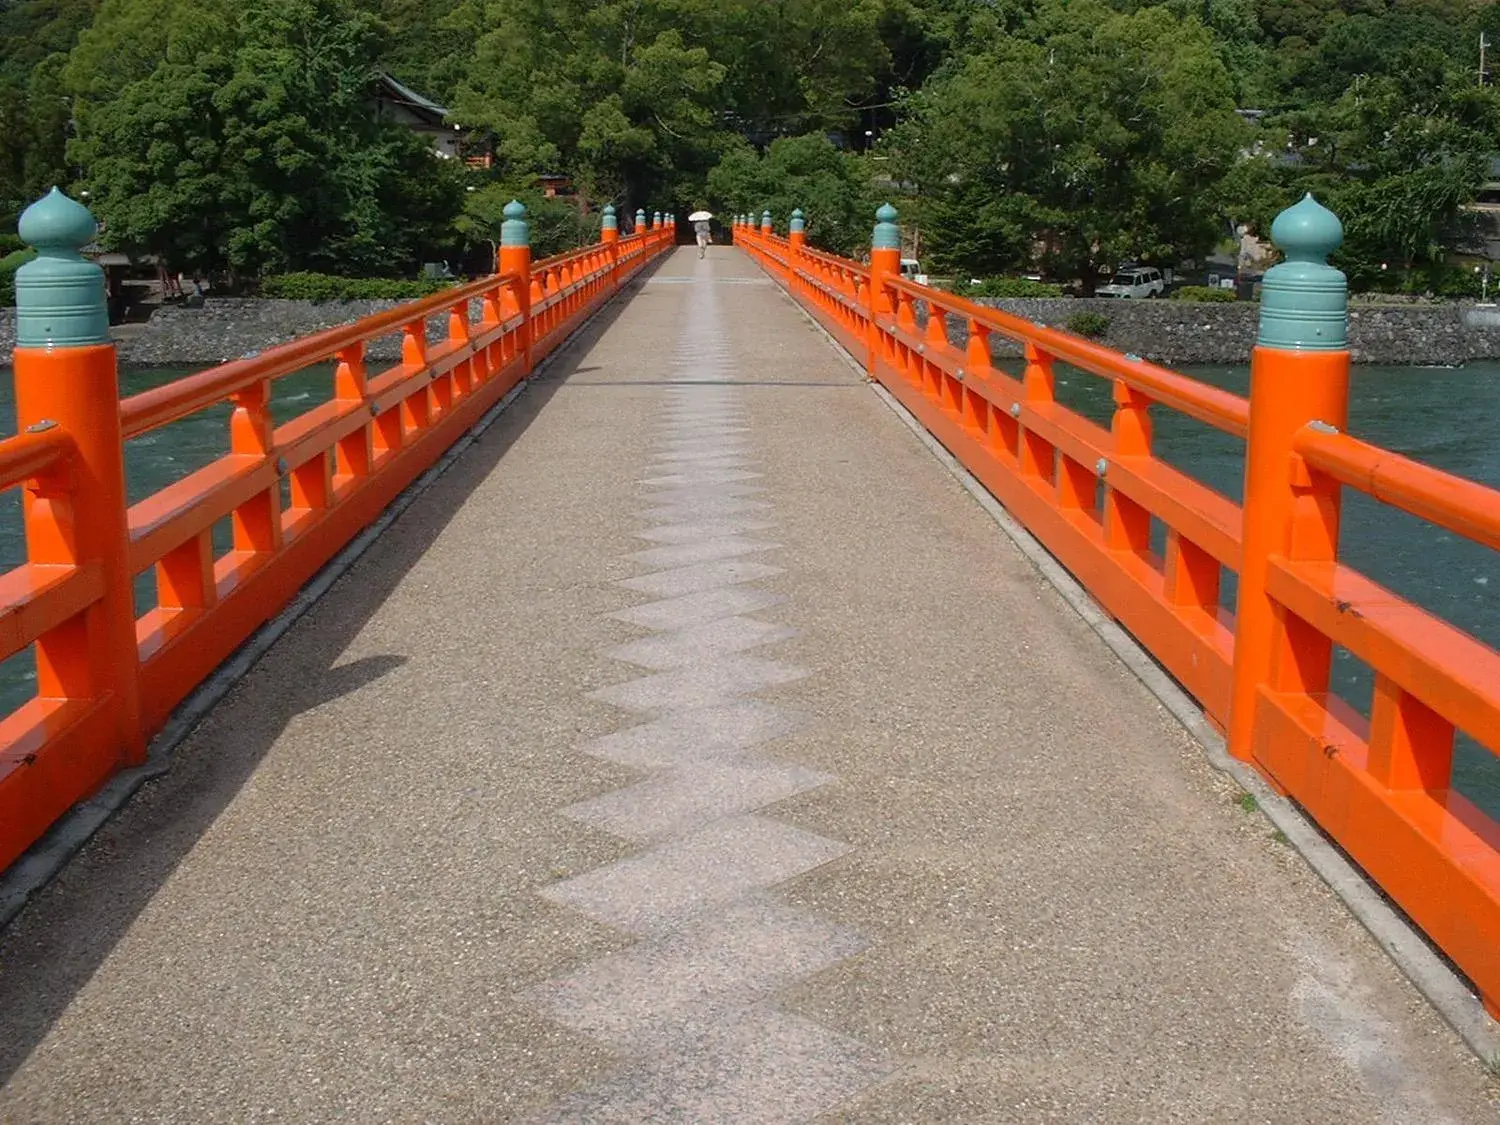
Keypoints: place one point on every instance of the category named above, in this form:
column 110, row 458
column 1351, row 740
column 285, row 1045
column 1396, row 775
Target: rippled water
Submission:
column 1445, row 417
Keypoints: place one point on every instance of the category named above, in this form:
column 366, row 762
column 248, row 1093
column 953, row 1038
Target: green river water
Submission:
column 1445, row 417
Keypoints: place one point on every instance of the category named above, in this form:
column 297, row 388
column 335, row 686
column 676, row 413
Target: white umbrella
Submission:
column 700, row 216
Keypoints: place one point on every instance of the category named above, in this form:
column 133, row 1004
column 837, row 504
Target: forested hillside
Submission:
column 237, row 135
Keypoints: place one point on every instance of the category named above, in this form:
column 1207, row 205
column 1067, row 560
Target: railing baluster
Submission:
column 1037, row 456
column 355, row 451
column 1127, row 525
column 1411, row 745
column 416, row 408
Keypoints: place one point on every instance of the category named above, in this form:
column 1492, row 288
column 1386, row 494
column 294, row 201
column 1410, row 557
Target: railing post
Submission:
column 885, row 261
column 797, row 231
column 66, row 375
column 765, row 222
column 640, row 223
column 1299, row 373
column 610, row 235
column 656, row 221
column 515, row 260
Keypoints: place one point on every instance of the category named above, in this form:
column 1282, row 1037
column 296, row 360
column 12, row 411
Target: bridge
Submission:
column 720, row 689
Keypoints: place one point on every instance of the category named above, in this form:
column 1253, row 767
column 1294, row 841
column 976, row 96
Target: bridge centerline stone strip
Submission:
column 691, row 1006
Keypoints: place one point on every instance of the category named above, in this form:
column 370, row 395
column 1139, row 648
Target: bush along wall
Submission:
column 323, row 287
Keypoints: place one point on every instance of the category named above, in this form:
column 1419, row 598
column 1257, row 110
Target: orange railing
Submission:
column 295, row 494
column 1379, row 786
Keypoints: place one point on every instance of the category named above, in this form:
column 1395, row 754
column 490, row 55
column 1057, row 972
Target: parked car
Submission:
column 1137, row 281
column 911, row 269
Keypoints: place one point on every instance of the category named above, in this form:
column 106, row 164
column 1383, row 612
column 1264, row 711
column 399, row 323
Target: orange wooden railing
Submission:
column 107, row 679
column 1380, row 787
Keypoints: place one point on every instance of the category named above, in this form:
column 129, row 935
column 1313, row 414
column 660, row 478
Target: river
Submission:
column 1445, row 417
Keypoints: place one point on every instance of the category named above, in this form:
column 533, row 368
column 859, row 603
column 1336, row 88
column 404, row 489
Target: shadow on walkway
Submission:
column 58, row 941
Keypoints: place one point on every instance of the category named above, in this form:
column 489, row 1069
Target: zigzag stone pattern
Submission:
column 690, row 1007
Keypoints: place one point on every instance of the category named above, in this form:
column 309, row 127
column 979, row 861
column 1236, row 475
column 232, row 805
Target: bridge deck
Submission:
column 697, row 749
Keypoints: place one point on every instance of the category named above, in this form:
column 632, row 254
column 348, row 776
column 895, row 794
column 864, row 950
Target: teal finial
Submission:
column 610, row 222
column 656, row 219
column 887, row 235
column 799, row 221
column 640, row 218
column 765, row 218
column 60, row 300
column 515, row 231
column 1304, row 302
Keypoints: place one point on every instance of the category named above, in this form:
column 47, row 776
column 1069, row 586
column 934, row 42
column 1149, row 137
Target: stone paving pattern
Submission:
column 697, row 750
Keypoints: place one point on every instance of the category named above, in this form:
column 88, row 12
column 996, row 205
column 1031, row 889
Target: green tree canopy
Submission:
column 832, row 188
column 1087, row 137
column 250, row 144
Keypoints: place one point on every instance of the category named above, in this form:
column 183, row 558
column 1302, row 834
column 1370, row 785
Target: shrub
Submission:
column 1203, row 293
column 1089, row 324
column 8, row 266
column 1008, row 287
column 321, row 287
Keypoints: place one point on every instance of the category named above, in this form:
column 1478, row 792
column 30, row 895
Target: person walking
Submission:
column 701, row 230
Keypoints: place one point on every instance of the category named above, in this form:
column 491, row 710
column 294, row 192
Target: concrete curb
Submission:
column 1427, row 970
column 44, row 859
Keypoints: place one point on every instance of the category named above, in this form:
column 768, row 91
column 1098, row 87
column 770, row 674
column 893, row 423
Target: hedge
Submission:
column 1009, row 287
column 8, row 266
column 1203, row 293
column 321, row 287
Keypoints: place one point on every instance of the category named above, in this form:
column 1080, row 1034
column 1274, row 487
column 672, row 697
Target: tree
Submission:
column 249, row 144
column 1088, row 137
column 832, row 188
column 611, row 93
column 556, row 225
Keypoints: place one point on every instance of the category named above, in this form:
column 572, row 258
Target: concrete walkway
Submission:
column 697, row 750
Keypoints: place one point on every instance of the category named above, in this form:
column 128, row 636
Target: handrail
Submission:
column 29, row 455
column 294, row 493
column 1378, row 783
column 1461, row 506
column 149, row 410
column 1219, row 408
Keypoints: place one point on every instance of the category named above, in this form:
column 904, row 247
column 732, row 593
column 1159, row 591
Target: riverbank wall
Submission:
column 1169, row 332
column 226, row 328
column 1179, row 333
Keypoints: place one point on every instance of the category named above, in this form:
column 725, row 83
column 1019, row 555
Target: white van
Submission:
column 1137, row 281
column 911, row 269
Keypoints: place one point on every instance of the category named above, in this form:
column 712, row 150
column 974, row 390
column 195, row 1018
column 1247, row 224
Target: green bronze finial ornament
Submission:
column 799, row 221
column 60, row 300
column 887, row 235
column 610, row 222
column 1304, row 302
column 515, row 231
column 765, row 217
column 640, row 218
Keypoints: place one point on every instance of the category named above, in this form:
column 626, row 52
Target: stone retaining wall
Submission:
column 1187, row 332
column 226, row 328
column 1171, row 332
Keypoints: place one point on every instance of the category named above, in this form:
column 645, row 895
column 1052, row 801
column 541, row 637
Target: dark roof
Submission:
column 394, row 91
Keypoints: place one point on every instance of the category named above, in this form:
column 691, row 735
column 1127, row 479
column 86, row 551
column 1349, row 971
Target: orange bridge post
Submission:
column 885, row 261
column 66, row 377
column 1299, row 373
column 515, row 262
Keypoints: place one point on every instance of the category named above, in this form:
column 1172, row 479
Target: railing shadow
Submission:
column 56, row 944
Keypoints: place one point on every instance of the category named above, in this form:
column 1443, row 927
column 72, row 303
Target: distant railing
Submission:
column 295, row 493
column 1380, row 787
